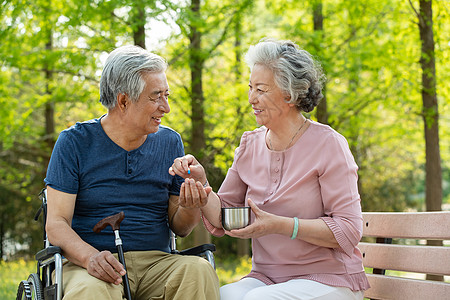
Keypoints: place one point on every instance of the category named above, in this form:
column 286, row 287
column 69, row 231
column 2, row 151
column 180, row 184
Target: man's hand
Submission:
column 193, row 194
column 106, row 267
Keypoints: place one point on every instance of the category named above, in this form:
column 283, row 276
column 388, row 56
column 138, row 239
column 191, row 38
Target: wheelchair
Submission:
column 42, row 285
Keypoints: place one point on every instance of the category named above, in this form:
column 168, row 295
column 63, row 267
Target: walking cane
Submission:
column 114, row 222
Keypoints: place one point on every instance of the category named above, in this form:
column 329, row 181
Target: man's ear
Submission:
column 122, row 101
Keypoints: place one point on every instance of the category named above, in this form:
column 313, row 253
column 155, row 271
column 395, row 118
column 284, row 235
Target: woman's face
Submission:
column 267, row 100
column 147, row 112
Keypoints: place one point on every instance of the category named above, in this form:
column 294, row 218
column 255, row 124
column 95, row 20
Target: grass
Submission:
column 233, row 269
column 11, row 273
column 229, row 270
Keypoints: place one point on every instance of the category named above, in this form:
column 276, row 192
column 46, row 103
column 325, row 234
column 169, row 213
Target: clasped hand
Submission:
column 192, row 192
column 106, row 267
column 263, row 224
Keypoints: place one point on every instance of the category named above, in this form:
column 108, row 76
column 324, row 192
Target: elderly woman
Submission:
column 119, row 162
column 300, row 180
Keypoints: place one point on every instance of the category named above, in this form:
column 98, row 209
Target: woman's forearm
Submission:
column 316, row 231
column 212, row 210
column 313, row 231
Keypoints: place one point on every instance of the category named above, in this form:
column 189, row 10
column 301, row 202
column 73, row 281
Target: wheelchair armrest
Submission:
column 47, row 253
column 198, row 250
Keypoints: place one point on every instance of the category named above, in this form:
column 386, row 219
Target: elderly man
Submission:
column 120, row 162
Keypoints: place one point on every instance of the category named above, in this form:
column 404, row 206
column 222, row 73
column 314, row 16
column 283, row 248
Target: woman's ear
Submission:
column 287, row 98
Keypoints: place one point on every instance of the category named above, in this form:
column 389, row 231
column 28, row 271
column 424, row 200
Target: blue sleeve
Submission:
column 62, row 171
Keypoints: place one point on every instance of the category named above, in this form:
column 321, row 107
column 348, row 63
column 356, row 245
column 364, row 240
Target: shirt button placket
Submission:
column 277, row 170
column 275, row 173
column 129, row 164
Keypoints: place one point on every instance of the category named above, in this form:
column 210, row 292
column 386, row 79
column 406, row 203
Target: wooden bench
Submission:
column 406, row 255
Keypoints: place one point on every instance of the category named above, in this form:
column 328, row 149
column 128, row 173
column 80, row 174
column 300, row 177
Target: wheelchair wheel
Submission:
column 30, row 289
column 24, row 291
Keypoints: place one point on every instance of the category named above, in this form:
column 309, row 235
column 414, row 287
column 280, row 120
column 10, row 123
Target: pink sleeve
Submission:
column 219, row 232
column 338, row 180
column 232, row 191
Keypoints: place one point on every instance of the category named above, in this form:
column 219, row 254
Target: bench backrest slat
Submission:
column 418, row 259
column 407, row 257
column 422, row 225
column 395, row 288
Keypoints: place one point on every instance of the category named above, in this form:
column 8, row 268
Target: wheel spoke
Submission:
column 24, row 291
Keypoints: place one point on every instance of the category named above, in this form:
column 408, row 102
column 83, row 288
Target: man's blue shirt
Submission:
column 108, row 179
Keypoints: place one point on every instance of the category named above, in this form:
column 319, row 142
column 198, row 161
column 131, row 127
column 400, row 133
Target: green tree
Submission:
column 430, row 114
column 430, row 111
column 204, row 34
column 51, row 58
column 50, row 69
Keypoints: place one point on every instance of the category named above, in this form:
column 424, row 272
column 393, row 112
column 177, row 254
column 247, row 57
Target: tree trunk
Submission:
column 198, row 142
column 243, row 245
column 430, row 109
column 322, row 112
column 433, row 177
column 196, row 65
column 49, row 105
column 2, row 236
column 138, row 24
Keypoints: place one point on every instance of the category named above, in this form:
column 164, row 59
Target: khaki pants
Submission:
column 153, row 275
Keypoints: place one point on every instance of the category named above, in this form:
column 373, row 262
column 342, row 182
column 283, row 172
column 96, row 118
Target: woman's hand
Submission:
column 193, row 194
column 264, row 224
column 188, row 167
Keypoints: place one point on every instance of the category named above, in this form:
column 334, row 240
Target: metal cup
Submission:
column 235, row 217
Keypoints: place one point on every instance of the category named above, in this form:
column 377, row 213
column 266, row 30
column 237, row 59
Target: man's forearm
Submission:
column 74, row 248
column 184, row 220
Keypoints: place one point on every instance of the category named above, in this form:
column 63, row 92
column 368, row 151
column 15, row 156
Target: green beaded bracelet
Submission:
column 294, row 233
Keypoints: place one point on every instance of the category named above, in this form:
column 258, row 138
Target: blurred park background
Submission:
column 387, row 65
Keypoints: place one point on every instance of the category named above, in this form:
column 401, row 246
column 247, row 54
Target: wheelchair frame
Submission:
column 40, row 285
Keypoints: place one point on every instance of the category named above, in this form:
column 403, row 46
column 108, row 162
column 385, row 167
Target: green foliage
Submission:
column 52, row 56
column 231, row 269
column 11, row 273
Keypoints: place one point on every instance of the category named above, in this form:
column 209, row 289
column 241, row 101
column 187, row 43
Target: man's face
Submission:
column 145, row 115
